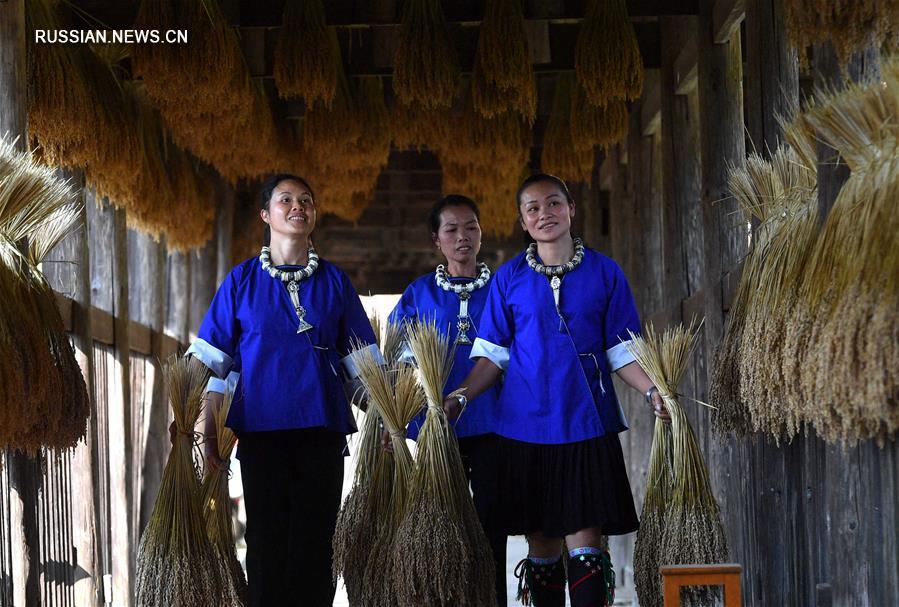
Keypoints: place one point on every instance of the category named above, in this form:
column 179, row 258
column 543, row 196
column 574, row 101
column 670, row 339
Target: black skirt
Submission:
column 561, row 489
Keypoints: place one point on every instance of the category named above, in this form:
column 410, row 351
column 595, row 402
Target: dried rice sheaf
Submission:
column 503, row 77
column 426, row 70
column 560, row 156
column 692, row 528
column 43, row 395
column 176, row 562
column 851, row 285
column 441, row 555
column 607, row 56
column 850, row 25
column 305, row 65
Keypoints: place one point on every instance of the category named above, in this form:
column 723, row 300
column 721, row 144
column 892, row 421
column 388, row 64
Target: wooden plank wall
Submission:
column 814, row 524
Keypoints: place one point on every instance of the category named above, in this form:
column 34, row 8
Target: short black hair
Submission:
column 268, row 188
column 269, row 185
column 543, row 178
column 450, row 200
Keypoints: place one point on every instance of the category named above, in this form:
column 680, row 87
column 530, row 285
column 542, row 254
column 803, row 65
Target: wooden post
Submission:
column 24, row 471
column 202, row 284
column 147, row 295
column 224, row 230
column 722, row 145
column 67, row 268
column 680, row 162
column 177, row 314
column 772, row 73
column 109, row 281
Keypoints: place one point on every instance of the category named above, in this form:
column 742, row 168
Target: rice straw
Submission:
column 176, row 562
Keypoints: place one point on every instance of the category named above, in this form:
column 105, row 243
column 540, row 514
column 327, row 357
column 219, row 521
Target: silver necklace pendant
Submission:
column 463, row 324
column 293, row 288
column 556, row 284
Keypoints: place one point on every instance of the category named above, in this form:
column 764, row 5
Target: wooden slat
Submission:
column 726, row 18
column 686, row 68
column 102, row 326
column 140, row 338
column 651, row 106
column 64, row 303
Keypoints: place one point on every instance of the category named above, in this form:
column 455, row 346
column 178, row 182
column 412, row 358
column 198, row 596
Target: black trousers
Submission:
column 292, row 481
column 479, row 456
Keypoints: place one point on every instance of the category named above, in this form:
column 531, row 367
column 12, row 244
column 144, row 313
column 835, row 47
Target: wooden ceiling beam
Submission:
column 351, row 13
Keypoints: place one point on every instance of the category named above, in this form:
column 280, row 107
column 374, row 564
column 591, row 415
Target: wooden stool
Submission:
column 723, row 574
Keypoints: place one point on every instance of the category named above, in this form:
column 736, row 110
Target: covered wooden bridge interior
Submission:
column 812, row 521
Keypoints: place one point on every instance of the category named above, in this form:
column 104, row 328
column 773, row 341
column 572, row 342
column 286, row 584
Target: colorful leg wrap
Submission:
column 541, row 582
column 591, row 579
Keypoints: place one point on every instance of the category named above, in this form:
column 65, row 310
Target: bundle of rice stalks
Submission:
column 692, row 529
column 850, row 25
column 43, row 396
column 305, row 65
column 503, row 78
column 560, row 156
column 413, row 127
column 659, row 486
column 396, row 396
column 851, row 284
column 217, row 511
column 781, row 194
column 57, row 89
column 223, row 108
column 593, row 125
column 176, row 562
column 441, row 555
column 486, row 158
column 357, row 530
column 607, row 56
column 425, row 68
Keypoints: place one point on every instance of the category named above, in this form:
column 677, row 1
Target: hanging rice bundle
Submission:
column 425, row 68
column 305, row 65
column 441, row 555
column 397, row 398
column 503, row 78
column 693, row 531
column 560, row 156
column 781, row 194
column 43, row 396
column 416, row 128
column 593, row 125
column 851, row 284
column 176, row 563
column 217, row 511
column 223, row 108
column 659, row 486
column 57, row 90
column 850, row 25
column 607, row 56
column 486, row 158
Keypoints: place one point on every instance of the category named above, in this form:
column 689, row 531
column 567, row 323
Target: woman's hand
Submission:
column 658, row 408
column 452, row 407
column 211, row 452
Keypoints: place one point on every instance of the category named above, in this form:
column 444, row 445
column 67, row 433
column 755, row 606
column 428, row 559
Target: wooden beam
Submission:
column 685, row 67
column 23, row 470
column 651, row 103
column 726, row 18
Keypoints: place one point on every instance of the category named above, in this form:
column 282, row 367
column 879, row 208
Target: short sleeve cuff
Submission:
column 406, row 355
column 216, row 385
column 349, row 362
column 498, row 355
column 217, row 361
column 620, row 355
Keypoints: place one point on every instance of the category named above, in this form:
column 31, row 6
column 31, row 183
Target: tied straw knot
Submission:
column 399, row 434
